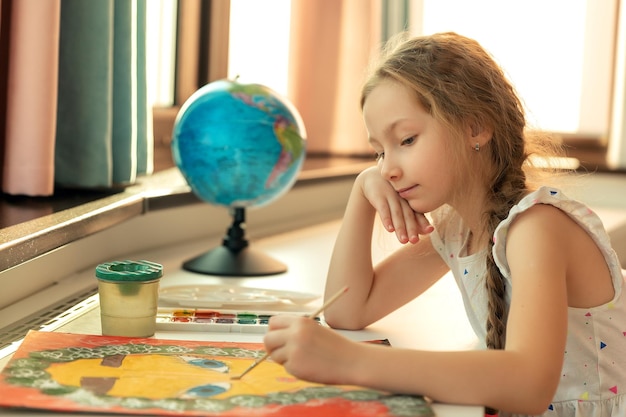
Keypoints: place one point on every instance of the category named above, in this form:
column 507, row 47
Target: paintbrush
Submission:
column 315, row 314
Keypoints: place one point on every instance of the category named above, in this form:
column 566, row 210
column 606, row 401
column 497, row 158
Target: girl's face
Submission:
column 411, row 146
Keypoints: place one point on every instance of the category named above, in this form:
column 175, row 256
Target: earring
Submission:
column 477, row 147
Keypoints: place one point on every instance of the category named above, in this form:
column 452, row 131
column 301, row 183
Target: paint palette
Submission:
column 215, row 296
column 204, row 320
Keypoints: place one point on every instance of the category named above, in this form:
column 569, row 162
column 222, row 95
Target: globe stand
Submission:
column 235, row 257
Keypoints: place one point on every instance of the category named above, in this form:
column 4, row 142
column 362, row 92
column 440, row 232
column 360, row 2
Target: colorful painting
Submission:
column 88, row 373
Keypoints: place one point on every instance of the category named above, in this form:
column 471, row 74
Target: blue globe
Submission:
column 238, row 145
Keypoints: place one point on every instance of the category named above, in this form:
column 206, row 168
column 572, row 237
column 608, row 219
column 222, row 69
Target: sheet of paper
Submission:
column 90, row 373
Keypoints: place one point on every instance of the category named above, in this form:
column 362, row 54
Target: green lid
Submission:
column 129, row 271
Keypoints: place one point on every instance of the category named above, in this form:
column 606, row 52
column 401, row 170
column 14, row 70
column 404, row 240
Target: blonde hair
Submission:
column 459, row 84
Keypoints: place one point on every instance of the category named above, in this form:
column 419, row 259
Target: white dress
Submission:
column 593, row 381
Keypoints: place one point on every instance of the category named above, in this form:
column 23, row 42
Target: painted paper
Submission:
column 90, row 373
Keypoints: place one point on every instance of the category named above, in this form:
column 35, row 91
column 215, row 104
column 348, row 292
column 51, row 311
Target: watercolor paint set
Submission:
column 204, row 320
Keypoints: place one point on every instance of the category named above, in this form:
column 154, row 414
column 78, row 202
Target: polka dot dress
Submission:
column 593, row 379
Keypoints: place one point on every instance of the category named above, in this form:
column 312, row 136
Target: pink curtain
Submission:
column 332, row 42
column 31, row 97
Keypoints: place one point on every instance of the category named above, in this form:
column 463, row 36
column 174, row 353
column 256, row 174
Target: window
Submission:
column 557, row 53
column 194, row 34
column 560, row 55
column 258, row 46
column 161, row 51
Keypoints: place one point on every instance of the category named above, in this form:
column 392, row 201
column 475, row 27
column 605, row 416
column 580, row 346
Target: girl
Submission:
column 541, row 285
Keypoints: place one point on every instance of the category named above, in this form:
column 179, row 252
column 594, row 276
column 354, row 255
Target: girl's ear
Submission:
column 479, row 134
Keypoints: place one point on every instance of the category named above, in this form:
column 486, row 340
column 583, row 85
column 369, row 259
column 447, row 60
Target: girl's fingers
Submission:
column 278, row 355
column 424, row 224
column 399, row 219
column 280, row 321
column 409, row 225
column 394, row 212
column 386, row 217
column 277, row 335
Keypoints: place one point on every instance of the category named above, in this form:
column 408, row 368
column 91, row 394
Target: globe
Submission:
column 238, row 145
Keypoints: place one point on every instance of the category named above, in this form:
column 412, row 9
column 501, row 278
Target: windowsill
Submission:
column 34, row 226
column 31, row 227
column 591, row 154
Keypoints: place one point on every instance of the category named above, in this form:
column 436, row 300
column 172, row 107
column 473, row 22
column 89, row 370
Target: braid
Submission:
column 505, row 194
column 507, row 191
column 496, row 320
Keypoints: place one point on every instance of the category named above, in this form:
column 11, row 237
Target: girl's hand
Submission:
column 308, row 350
column 395, row 213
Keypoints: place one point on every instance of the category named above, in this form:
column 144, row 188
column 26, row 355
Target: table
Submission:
column 307, row 253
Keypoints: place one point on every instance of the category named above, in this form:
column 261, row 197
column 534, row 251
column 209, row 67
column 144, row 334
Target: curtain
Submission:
column 31, row 86
column 332, row 42
column 76, row 108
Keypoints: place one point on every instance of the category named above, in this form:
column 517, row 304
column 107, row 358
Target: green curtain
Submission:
column 103, row 138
